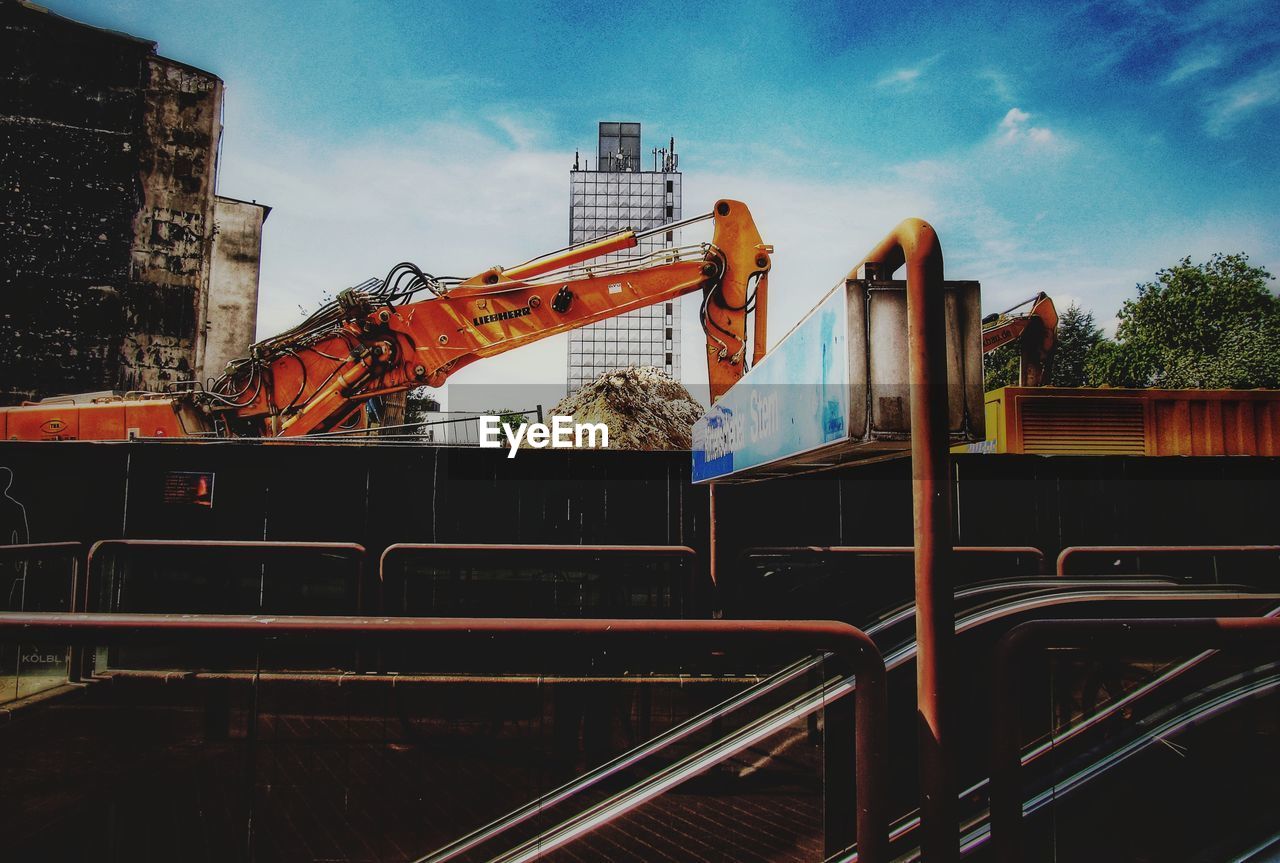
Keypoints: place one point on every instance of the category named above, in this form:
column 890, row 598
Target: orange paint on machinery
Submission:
column 112, row 420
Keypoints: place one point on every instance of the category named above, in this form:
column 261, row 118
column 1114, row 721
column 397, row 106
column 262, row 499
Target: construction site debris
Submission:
column 644, row 408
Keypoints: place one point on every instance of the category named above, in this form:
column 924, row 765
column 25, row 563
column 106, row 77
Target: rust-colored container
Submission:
column 1069, row 421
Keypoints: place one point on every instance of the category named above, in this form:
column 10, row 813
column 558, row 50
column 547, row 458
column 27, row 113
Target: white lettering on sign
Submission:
column 764, row 416
column 724, row 435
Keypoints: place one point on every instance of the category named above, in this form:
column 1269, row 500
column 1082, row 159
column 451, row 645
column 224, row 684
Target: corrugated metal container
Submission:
column 1066, row 421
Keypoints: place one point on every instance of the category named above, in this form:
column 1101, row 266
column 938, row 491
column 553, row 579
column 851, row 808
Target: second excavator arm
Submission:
column 1036, row 331
column 367, row 344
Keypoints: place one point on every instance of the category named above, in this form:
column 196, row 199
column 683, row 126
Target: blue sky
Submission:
column 1072, row 148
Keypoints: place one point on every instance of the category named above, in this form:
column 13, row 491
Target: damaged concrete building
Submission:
column 120, row 266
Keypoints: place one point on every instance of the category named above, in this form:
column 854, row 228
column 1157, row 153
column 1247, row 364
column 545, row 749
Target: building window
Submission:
column 670, row 210
column 671, row 187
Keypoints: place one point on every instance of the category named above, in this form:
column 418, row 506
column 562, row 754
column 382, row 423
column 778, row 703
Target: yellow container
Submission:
column 1070, row 421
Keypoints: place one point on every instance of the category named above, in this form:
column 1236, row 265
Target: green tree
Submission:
column 1000, row 367
column 1209, row 325
column 1078, row 338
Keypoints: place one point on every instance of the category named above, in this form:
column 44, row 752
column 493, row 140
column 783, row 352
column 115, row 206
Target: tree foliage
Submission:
column 1078, row 338
column 1000, row 367
column 1209, row 325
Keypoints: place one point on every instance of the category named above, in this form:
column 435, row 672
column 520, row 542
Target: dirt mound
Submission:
column 643, row 407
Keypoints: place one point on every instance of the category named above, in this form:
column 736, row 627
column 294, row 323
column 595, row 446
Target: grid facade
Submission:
column 601, row 203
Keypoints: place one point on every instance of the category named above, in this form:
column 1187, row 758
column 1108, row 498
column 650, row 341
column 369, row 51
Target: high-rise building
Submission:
column 616, row 194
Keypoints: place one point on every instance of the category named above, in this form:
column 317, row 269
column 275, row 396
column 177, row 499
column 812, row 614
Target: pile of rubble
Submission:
column 643, row 407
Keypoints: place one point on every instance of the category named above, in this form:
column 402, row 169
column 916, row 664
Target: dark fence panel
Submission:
column 380, row 495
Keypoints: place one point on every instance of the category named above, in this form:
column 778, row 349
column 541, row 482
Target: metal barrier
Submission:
column 1013, row 551
column 27, row 553
column 352, row 552
column 1116, row 637
column 850, row 644
column 1073, row 553
column 853, row 583
column 470, row 555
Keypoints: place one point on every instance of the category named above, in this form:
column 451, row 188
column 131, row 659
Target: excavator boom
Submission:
column 369, row 343
column 1035, row 330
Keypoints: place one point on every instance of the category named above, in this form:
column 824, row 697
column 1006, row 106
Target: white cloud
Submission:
column 1015, row 130
column 904, row 78
column 908, row 77
column 456, row 198
column 1201, row 60
column 1243, row 98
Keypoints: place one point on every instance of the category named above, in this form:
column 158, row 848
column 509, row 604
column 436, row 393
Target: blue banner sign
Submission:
column 794, row 401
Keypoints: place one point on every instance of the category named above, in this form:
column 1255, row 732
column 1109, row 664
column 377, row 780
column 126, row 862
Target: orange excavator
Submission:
column 417, row 329
column 1034, row 324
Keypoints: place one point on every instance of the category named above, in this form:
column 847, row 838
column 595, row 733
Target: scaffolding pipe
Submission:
column 914, row 243
column 1065, row 556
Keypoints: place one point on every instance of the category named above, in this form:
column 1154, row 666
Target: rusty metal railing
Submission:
column 351, row 552
column 1126, row 637
column 849, row 644
column 476, row 555
column 1013, row 551
column 1070, row 555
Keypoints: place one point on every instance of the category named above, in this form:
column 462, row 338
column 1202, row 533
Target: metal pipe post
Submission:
column 914, row 243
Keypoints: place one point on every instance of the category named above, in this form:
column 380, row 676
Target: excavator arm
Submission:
column 1035, row 330
column 368, row 344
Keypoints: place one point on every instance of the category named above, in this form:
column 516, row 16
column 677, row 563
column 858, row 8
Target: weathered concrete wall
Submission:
column 231, row 307
column 108, row 156
column 70, row 117
column 173, row 236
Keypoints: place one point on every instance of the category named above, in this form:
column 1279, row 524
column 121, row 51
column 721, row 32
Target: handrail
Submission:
column 1084, row 724
column 889, row 549
column 532, row 554
column 896, row 550
column 850, row 644
column 689, row 766
column 1120, row 634
column 350, row 550
column 623, row 761
column 655, row 550
column 977, row 831
column 1065, row 556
